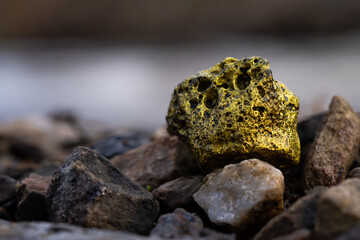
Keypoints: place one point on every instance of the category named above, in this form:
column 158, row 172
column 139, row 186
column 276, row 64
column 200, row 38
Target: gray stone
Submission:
column 177, row 193
column 89, row 191
column 120, row 143
column 335, row 147
column 155, row 163
column 301, row 215
column 243, row 196
column 338, row 209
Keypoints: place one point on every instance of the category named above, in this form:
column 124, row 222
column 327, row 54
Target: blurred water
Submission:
column 131, row 85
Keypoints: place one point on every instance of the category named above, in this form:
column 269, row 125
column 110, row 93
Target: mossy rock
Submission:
column 235, row 111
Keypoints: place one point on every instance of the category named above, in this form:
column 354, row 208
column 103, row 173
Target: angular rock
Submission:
column 32, row 206
column 338, row 209
column 243, row 196
column 335, row 147
column 235, row 111
column 155, row 163
column 355, row 173
column 119, row 144
column 177, row 193
column 301, row 215
column 181, row 224
column 89, row 191
column 8, row 200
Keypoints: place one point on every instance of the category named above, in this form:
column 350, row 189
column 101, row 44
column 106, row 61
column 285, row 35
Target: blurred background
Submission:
column 118, row 61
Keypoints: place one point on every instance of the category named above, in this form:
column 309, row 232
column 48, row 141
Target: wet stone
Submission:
column 335, row 147
column 89, row 191
column 32, row 192
column 235, row 111
column 242, row 196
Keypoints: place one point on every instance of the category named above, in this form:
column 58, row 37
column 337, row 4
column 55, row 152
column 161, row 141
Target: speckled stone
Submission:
column 243, row 196
column 234, row 111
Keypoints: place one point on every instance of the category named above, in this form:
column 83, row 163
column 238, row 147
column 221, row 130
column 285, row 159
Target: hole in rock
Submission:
column 204, row 84
column 261, row 91
column 193, row 104
column 211, row 98
column 243, row 80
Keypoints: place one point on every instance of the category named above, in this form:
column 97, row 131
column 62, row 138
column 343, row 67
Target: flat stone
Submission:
column 177, row 193
column 120, row 143
column 32, row 192
column 235, row 111
column 155, row 163
column 89, row 191
column 338, row 209
column 242, row 196
column 335, row 147
column 301, row 215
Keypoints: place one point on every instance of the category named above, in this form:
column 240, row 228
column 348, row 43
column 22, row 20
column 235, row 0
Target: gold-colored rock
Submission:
column 235, row 111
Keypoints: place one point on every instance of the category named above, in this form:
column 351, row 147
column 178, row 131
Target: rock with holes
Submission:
column 235, row 111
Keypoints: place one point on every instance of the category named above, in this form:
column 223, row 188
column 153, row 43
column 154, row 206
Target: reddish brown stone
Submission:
column 155, row 163
column 32, row 205
column 334, row 148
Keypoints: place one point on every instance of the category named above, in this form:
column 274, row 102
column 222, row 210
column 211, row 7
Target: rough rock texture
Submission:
column 243, row 196
column 8, row 200
column 177, row 193
column 338, row 209
column 235, row 111
column 335, row 147
column 89, row 191
column 119, row 144
column 182, row 224
column 355, row 173
column 32, row 206
column 155, row 163
column 301, row 215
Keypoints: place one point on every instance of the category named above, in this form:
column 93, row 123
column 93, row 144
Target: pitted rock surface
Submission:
column 89, row 191
column 235, row 111
column 242, row 196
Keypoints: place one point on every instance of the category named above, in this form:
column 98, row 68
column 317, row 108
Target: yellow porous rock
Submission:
column 235, row 111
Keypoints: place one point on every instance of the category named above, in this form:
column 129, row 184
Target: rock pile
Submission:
column 252, row 185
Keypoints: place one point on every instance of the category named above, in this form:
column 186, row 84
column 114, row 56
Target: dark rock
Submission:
column 32, row 206
column 335, row 147
column 178, row 224
column 177, row 193
column 301, row 234
column 355, row 173
column 338, row 209
column 307, row 130
column 8, row 200
column 89, row 191
column 352, row 234
column 302, row 214
column 181, row 224
column 119, row 144
column 155, row 163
